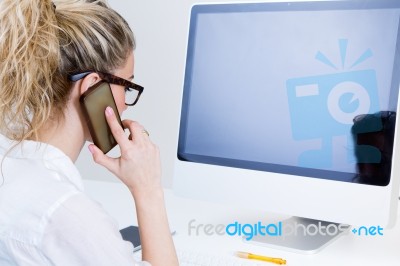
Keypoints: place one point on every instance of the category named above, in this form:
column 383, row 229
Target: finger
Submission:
column 136, row 129
column 116, row 129
column 100, row 158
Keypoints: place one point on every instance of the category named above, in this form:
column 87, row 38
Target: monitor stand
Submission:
column 306, row 243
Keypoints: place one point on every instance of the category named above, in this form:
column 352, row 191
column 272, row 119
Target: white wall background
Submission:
column 161, row 29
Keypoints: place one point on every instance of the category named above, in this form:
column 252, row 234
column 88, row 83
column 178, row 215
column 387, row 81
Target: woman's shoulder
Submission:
column 31, row 190
column 27, row 203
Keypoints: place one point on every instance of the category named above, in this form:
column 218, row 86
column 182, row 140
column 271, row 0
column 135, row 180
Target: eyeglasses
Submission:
column 132, row 90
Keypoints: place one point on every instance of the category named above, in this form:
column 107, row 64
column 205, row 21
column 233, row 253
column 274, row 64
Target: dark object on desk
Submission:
column 374, row 135
column 131, row 234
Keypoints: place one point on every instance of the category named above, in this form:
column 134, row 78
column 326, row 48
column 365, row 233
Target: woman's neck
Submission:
column 66, row 134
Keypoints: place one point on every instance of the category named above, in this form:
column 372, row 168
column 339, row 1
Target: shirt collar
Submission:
column 52, row 157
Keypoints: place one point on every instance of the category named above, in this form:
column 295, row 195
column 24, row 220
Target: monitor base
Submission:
column 301, row 235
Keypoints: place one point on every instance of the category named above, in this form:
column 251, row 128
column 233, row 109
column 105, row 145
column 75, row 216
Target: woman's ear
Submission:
column 88, row 81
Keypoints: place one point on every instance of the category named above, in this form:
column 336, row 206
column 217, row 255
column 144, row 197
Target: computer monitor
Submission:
column 291, row 108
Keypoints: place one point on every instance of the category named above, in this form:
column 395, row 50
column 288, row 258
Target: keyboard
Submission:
column 195, row 258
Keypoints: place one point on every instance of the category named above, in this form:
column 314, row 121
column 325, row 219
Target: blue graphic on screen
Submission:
column 325, row 106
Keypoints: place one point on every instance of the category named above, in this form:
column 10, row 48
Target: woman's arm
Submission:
column 157, row 245
column 139, row 168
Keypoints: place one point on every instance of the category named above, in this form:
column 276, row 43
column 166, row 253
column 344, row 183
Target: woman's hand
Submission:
column 139, row 166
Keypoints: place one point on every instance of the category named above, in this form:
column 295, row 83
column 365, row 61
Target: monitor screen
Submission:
column 275, row 87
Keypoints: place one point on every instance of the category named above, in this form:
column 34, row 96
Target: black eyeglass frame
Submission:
column 112, row 79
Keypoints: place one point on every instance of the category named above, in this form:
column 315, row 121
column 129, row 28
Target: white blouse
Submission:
column 45, row 217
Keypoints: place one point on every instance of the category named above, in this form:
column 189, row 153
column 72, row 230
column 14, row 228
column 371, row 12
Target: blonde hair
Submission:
column 41, row 42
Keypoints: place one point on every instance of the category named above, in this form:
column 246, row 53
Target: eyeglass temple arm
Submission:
column 76, row 77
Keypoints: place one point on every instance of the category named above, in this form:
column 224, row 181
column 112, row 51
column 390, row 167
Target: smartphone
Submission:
column 131, row 234
column 94, row 102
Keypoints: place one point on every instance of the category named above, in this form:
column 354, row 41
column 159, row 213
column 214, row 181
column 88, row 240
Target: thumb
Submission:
column 100, row 158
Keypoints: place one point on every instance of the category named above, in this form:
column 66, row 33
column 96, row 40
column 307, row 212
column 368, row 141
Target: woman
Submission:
column 45, row 217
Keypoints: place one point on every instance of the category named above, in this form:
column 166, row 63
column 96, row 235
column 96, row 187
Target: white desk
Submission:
column 347, row 250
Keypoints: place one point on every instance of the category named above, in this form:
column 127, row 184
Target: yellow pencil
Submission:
column 246, row 255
